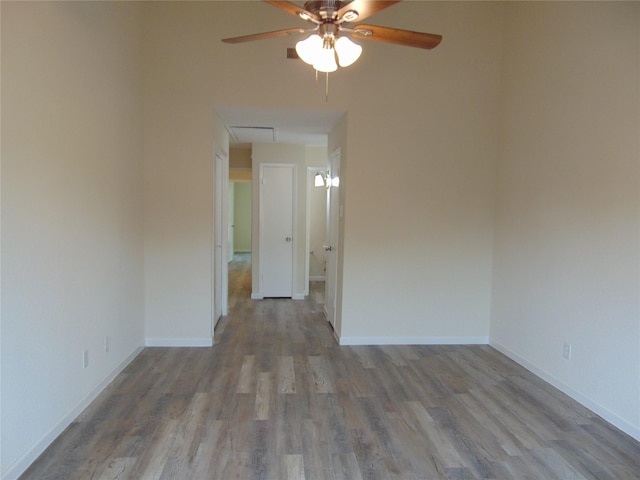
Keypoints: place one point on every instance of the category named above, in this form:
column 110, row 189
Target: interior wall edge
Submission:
column 19, row 466
column 585, row 401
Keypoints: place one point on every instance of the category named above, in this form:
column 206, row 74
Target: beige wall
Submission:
column 179, row 192
column 240, row 158
column 418, row 211
column 179, row 229
column 242, row 218
column 72, row 213
column 566, row 264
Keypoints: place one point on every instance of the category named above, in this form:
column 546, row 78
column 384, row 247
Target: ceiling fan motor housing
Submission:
column 325, row 9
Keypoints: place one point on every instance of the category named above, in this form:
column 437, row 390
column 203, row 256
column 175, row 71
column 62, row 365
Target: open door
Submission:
column 331, row 247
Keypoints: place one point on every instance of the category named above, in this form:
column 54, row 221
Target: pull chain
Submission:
column 326, row 86
column 326, row 91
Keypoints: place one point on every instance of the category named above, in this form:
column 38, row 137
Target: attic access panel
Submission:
column 242, row 134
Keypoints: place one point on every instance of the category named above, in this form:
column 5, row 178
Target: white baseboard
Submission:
column 179, row 342
column 298, row 296
column 413, row 340
column 605, row 413
column 256, row 296
column 19, row 467
column 317, row 278
column 336, row 335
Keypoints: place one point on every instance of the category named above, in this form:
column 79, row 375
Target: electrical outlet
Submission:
column 85, row 359
column 566, row 351
column 106, row 344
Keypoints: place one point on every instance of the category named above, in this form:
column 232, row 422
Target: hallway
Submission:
column 277, row 398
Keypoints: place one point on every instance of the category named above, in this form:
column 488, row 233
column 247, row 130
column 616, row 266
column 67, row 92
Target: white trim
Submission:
column 257, row 296
column 335, row 334
column 413, row 340
column 294, row 228
column 179, row 342
column 604, row 412
column 298, row 296
column 21, row 465
column 220, row 233
column 317, row 278
column 334, row 212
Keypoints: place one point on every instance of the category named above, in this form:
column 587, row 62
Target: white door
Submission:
column 331, row 247
column 276, row 230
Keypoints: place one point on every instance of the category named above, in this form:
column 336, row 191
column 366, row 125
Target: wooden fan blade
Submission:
column 366, row 8
column 294, row 9
column 397, row 36
column 263, row 36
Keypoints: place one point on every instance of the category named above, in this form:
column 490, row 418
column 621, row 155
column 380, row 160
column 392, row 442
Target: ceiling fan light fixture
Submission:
column 325, row 54
column 348, row 52
column 308, row 49
column 325, row 60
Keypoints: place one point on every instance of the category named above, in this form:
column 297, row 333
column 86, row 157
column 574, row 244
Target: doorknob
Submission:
column 288, row 239
column 328, row 248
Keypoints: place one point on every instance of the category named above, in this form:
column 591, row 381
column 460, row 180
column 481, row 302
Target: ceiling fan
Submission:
column 329, row 45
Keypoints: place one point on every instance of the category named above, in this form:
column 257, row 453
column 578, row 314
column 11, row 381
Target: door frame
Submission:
column 294, row 227
column 311, row 173
column 220, row 267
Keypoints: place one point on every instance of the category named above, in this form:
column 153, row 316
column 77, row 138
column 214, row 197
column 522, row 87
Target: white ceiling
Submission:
column 308, row 127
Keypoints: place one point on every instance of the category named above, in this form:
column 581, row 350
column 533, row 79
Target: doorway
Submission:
column 276, row 227
column 316, row 227
column 310, row 128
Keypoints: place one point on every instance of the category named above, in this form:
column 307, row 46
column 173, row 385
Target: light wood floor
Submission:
column 276, row 398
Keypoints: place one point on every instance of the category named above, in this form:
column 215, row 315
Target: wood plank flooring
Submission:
column 276, row 398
